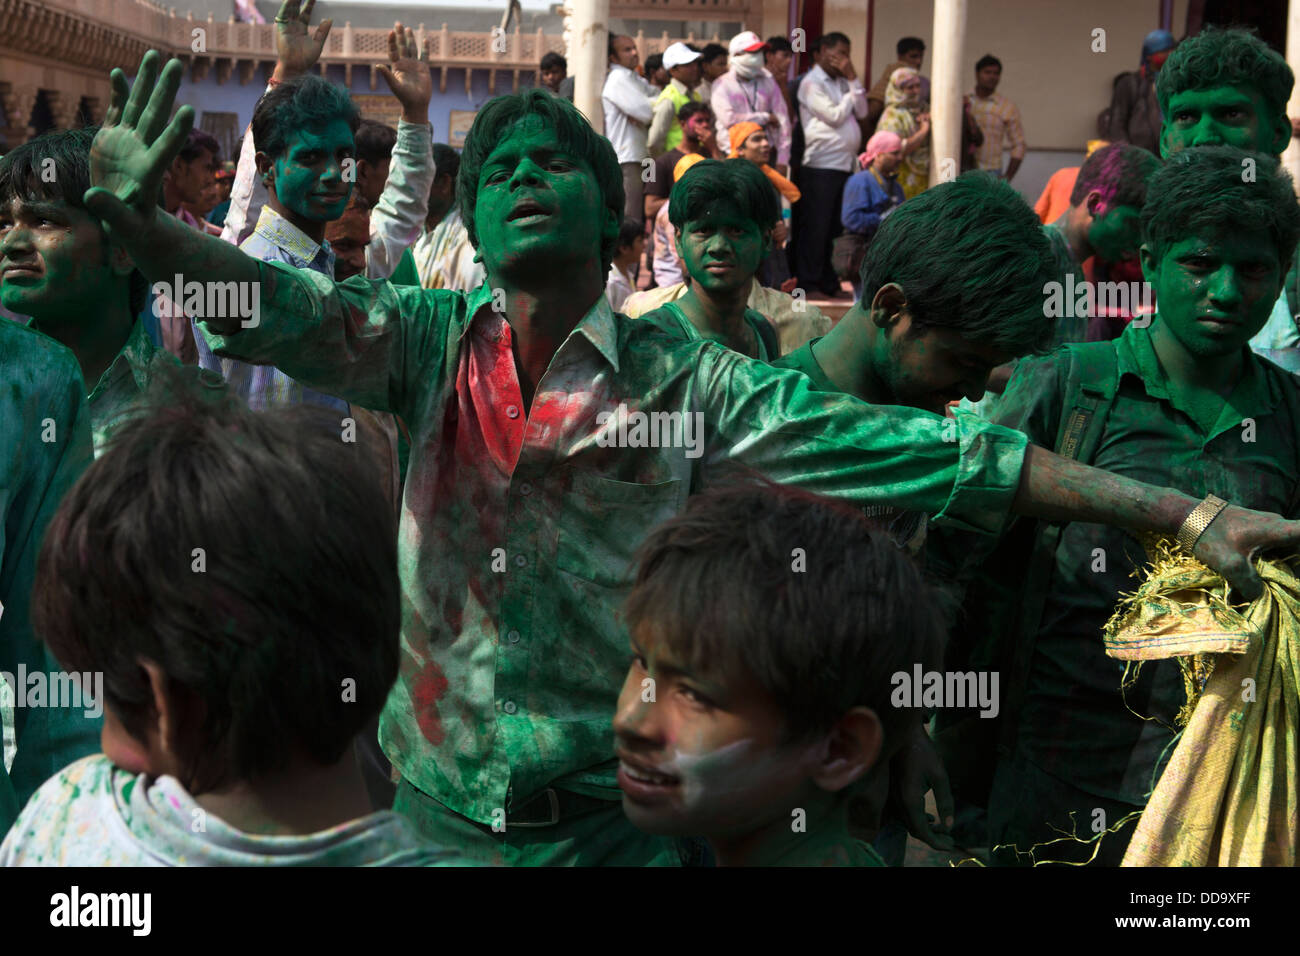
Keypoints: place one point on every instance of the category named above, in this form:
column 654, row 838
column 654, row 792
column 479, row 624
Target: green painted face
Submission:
column 722, row 249
column 53, row 260
column 1116, row 235
column 1216, row 293
column 309, row 175
column 538, row 206
column 1223, row 116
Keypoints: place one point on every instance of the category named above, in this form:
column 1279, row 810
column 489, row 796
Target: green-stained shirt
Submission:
column 671, row 318
column 44, row 447
column 123, row 383
column 1075, row 723
column 519, row 524
column 908, row 528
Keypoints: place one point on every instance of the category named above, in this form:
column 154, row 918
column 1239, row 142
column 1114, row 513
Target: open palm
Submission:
column 136, row 145
column 407, row 71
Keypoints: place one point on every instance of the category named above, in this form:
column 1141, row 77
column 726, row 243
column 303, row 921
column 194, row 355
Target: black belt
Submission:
column 548, row 807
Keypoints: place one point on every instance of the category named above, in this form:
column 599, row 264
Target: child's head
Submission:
column 55, row 257
column 1108, row 197
column 631, row 244
column 442, row 192
column 1224, row 88
column 233, row 575
column 1221, row 226
column 766, row 626
column 954, row 280
column 374, row 144
column 539, row 188
column 723, row 212
column 303, row 131
column 552, row 70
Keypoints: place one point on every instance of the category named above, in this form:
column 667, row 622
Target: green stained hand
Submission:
column 1237, row 536
column 136, row 145
column 296, row 49
column 407, row 74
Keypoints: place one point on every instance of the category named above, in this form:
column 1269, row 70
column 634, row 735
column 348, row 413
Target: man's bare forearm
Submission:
column 1059, row 489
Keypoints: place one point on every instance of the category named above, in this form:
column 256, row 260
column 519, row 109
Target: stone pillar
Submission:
column 945, row 89
column 586, row 47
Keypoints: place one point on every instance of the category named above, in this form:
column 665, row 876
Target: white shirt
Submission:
column 628, row 111
column 827, row 108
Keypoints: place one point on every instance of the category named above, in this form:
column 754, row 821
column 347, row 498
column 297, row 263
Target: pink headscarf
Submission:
column 881, row 142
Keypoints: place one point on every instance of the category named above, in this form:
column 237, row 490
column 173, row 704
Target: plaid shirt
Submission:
column 519, row 525
column 999, row 119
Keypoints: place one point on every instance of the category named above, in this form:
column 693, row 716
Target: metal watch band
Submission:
column 1196, row 522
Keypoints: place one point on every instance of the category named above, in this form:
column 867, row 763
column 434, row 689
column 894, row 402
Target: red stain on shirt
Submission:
column 426, row 689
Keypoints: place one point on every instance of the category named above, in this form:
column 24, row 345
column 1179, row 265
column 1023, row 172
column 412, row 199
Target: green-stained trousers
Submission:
column 598, row 838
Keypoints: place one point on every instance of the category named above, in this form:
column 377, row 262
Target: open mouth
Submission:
column 642, row 783
column 525, row 210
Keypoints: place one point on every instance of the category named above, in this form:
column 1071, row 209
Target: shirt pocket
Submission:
column 605, row 521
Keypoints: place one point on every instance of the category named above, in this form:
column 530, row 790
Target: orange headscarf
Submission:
column 741, row 132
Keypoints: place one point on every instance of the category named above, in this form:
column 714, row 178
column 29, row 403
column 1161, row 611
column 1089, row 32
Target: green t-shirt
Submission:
column 671, row 318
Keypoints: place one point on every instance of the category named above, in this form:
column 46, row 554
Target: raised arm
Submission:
column 399, row 215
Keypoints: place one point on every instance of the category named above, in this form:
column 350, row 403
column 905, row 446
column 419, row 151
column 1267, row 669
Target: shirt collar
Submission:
column 679, row 86
column 1253, row 394
column 597, row 326
column 279, row 231
column 134, row 358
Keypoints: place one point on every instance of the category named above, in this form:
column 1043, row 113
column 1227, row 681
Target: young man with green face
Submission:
column 723, row 213
column 536, row 478
column 1229, row 88
column 1104, row 220
column 58, row 266
column 942, row 304
column 1183, row 402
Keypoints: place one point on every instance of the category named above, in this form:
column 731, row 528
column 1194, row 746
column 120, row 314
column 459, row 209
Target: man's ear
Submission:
column 120, row 261
column 265, row 169
column 1092, row 202
column 851, row 749
column 1147, row 257
column 1281, row 130
column 888, row 305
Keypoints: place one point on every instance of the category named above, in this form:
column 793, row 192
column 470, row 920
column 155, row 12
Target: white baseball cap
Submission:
column 679, row 54
column 747, row 42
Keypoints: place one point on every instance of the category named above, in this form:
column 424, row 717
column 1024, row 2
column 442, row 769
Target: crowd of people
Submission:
column 395, row 525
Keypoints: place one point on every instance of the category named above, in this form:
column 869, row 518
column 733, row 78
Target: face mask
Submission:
column 748, row 65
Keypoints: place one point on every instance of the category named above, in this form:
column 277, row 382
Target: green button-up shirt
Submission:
column 1075, row 723
column 518, row 530
column 44, row 446
column 123, row 383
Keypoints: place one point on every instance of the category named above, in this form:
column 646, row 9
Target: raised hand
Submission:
column 296, row 49
column 407, row 74
column 136, row 146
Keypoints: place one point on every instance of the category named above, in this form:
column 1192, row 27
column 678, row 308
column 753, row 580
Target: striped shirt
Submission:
column 999, row 119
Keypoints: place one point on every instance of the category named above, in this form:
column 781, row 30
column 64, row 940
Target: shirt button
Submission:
column 525, row 488
column 520, row 560
column 509, row 707
column 513, row 637
column 512, row 411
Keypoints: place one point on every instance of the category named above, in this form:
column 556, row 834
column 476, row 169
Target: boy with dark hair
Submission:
column 518, row 397
column 911, row 54
column 723, row 214
column 698, row 136
column 374, row 149
column 1182, row 402
column 192, row 171
column 942, row 304
column 553, row 71
column 1104, row 220
column 622, row 271
column 758, row 695
column 59, row 267
column 44, row 446
column 655, row 74
column 713, row 63
column 998, row 119
column 1229, row 88
column 230, row 707
column 444, row 257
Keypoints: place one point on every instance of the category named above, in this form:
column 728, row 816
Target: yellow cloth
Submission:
column 1228, row 796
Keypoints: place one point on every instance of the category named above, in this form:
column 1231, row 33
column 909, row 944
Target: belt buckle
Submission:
column 554, row 798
